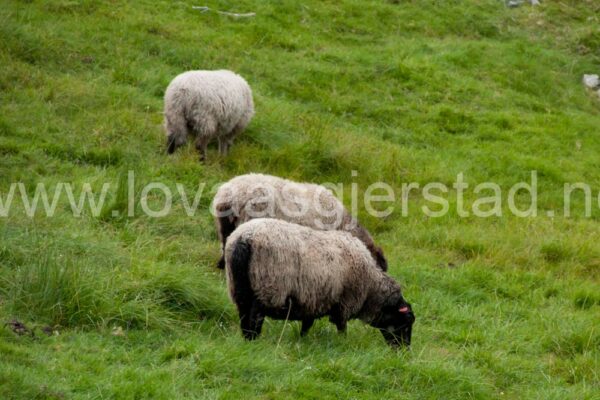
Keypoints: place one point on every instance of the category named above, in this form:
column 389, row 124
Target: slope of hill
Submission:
column 397, row 91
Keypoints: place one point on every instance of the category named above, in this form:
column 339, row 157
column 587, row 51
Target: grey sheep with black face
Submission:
column 209, row 104
column 286, row 271
column 250, row 196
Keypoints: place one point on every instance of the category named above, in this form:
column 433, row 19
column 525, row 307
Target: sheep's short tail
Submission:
column 237, row 268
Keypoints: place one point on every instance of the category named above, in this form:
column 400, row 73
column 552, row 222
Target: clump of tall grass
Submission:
column 65, row 291
column 58, row 291
column 185, row 291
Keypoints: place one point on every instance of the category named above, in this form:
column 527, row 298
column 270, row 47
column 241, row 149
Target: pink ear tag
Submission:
column 403, row 310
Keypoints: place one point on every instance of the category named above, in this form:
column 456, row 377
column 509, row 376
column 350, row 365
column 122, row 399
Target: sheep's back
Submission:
column 316, row 268
column 280, row 198
column 221, row 95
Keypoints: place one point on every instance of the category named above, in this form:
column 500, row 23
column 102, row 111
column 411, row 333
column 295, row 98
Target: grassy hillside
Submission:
column 398, row 91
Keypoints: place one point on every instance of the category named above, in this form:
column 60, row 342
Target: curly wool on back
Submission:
column 250, row 196
column 211, row 104
column 315, row 267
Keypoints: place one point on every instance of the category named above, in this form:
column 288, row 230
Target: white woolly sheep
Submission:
column 287, row 271
column 250, row 196
column 211, row 104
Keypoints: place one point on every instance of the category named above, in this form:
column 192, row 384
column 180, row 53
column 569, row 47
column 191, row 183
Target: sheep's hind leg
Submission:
column 201, row 145
column 254, row 321
column 225, row 142
column 341, row 326
column 245, row 322
column 226, row 227
column 337, row 317
column 306, row 325
column 223, row 146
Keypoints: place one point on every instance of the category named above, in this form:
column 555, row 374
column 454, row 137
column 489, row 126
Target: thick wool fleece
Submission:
column 250, row 196
column 211, row 103
column 320, row 270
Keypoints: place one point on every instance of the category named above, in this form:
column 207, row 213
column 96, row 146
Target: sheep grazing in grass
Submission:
column 211, row 104
column 258, row 196
column 286, row 271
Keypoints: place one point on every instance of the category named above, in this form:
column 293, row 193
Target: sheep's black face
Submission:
column 395, row 324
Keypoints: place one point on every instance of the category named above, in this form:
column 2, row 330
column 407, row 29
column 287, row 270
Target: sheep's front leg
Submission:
column 306, row 325
column 201, row 146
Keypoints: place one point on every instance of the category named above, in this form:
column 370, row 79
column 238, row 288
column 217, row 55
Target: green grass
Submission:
column 397, row 91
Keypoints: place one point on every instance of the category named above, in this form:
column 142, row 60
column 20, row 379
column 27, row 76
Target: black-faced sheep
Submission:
column 287, row 271
column 211, row 104
column 250, row 196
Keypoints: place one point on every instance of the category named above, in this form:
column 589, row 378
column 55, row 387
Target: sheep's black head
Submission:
column 395, row 324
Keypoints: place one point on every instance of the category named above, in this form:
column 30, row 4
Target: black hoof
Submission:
column 250, row 335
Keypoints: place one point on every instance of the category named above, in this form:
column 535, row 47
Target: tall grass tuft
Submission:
column 67, row 292
column 58, row 291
